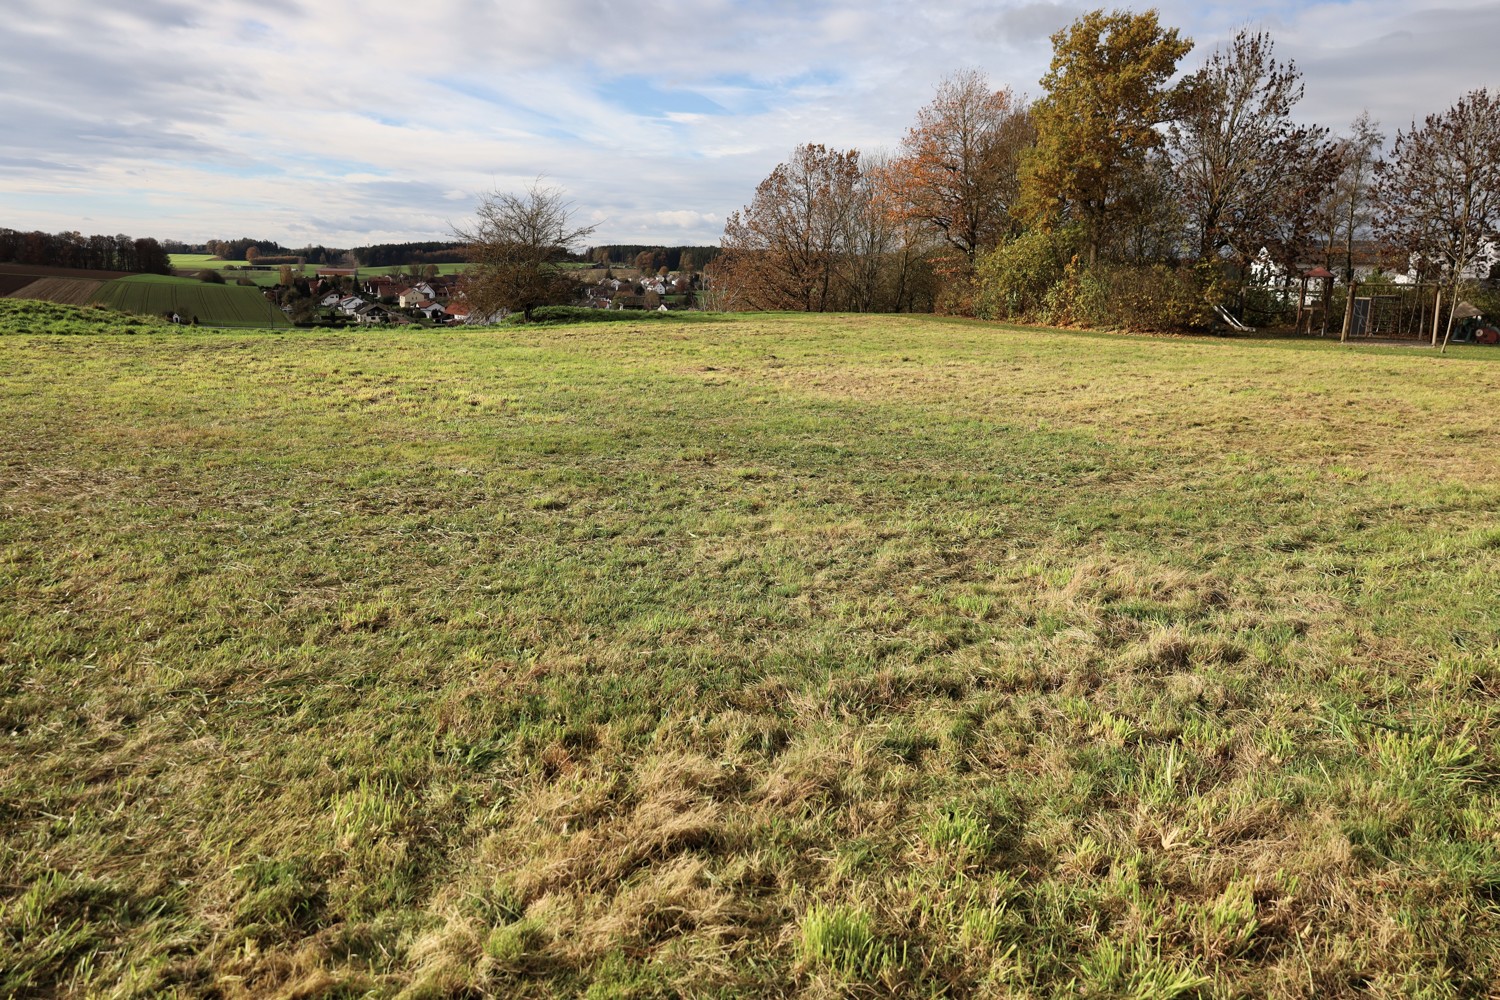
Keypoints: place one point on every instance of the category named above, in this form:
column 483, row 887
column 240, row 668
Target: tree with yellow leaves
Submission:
column 1097, row 123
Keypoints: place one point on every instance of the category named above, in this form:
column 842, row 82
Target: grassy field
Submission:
column 193, row 262
column 188, row 264
column 770, row 656
column 213, row 305
column 202, row 260
column 371, row 272
column 58, row 319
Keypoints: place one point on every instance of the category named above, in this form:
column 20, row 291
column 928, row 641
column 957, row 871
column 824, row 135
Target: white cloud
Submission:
column 295, row 121
column 684, row 219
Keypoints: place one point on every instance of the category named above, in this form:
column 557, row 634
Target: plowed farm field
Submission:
column 69, row 286
column 11, row 283
column 66, row 291
column 212, row 305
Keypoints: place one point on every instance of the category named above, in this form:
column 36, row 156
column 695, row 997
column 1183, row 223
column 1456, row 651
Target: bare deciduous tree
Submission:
column 823, row 232
column 514, row 245
column 783, row 250
column 1349, row 212
column 1251, row 178
column 882, row 243
column 1439, row 192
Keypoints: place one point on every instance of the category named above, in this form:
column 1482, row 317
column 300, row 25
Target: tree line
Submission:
column 272, row 253
column 1117, row 197
column 399, row 254
column 653, row 258
column 94, row 253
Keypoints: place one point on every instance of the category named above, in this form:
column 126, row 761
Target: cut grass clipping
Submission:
column 754, row 656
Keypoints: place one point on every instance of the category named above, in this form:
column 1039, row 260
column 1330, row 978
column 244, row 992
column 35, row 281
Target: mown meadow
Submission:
column 753, row 656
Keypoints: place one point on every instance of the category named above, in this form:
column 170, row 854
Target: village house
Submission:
column 370, row 313
column 381, row 286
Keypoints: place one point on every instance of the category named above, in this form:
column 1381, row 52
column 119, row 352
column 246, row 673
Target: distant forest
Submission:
column 92, row 253
column 148, row 256
column 388, row 254
column 647, row 257
column 652, row 258
column 378, row 255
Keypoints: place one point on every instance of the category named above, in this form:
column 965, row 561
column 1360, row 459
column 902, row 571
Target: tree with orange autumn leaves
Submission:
column 1122, row 196
column 828, row 230
column 958, row 168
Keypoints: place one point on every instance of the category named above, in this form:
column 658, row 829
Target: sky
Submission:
column 347, row 124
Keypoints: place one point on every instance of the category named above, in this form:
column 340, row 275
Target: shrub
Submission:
column 210, row 276
column 1265, row 306
column 1013, row 280
column 1148, row 297
column 1039, row 278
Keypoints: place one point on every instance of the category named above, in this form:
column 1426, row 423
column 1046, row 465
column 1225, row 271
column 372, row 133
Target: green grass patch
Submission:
column 30, row 316
column 405, row 269
column 201, row 260
column 759, row 655
column 582, row 314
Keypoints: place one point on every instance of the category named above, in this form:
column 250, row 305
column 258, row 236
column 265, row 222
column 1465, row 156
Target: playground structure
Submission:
column 1389, row 311
column 1313, row 313
column 1415, row 312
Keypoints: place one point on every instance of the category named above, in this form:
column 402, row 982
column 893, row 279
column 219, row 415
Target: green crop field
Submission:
column 213, row 305
column 370, row 272
column 181, row 261
column 759, row 656
column 233, row 270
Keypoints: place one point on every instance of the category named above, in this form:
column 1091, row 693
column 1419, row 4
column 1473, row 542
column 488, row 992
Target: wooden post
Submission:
column 1348, row 311
column 1327, row 297
column 1437, row 312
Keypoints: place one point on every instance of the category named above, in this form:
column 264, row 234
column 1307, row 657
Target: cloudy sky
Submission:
column 379, row 121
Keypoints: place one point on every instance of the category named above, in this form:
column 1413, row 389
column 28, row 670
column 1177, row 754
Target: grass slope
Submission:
column 214, row 305
column 823, row 655
column 19, row 316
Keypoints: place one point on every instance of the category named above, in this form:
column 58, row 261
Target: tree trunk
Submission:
column 1452, row 308
column 1348, row 312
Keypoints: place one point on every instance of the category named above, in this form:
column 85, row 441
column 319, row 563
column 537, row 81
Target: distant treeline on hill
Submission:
column 91, row 253
column 649, row 258
column 391, row 254
column 266, row 251
column 380, row 255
